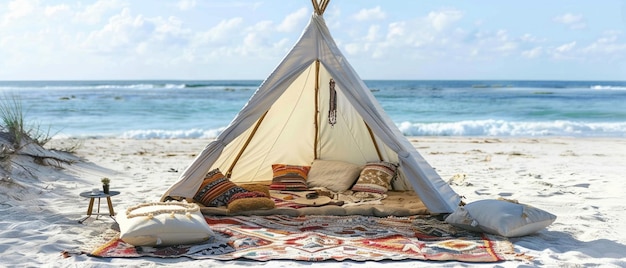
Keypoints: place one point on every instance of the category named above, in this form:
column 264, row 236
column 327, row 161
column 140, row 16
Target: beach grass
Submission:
column 19, row 130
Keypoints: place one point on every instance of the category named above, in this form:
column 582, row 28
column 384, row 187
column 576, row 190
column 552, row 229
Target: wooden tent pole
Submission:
column 380, row 157
column 324, row 5
column 320, row 7
column 245, row 145
column 316, row 6
column 317, row 109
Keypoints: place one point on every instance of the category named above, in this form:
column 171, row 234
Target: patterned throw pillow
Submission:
column 375, row 177
column 289, row 177
column 216, row 190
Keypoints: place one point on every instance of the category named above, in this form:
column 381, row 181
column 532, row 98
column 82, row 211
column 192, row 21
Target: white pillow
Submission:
column 336, row 176
column 163, row 224
column 501, row 218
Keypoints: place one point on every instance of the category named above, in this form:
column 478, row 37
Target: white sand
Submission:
column 580, row 180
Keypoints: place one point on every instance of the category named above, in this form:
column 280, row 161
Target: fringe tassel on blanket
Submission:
column 332, row 108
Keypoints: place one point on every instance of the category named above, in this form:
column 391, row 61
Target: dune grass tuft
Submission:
column 13, row 123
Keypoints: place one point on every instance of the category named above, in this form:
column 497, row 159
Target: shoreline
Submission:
column 578, row 179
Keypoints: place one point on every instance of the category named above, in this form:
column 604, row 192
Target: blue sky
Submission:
column 391, row 39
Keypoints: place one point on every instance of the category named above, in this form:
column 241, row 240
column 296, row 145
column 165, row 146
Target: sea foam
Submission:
column 172, row 134
column 462, row 128
column 506, row 128
column 599, row 87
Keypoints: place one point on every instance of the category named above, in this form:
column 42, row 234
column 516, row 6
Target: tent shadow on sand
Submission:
column 561, row 242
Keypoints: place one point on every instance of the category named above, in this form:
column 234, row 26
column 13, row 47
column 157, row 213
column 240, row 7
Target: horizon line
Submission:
column 252, row 79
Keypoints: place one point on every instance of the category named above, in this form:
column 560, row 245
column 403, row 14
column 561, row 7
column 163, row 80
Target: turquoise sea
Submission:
column 201, row 109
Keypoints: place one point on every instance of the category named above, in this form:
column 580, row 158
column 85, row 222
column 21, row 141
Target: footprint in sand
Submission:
column 482, row 192
column 459, row 180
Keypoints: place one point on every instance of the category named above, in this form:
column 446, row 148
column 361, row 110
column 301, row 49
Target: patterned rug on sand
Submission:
column 318, row 238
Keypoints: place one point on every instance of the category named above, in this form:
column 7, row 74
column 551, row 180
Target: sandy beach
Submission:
column 581, row 180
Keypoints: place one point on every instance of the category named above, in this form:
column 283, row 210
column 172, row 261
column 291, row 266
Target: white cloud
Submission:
column 57, row 11
column 353, row 48
column 221, row 32
column 21, row 8
column 39, row 37
column 18, row 9
column 571, row 20
column 607, row 45
column 186, row 4
column 372, row 33
column 293, row 20
column 507, row 47
column 607, row 48
column 565, row 47
column 94, row 13
column 568, row 18
column 395, row 30
column 530, row 38
column 532, row 53
column 440, row 20
column 121, row 34
column 566, row 51
column 256, row 40
column 419, row 38
column 231, row 39
column 502, row 35
column 262, row 26
column 370, row 14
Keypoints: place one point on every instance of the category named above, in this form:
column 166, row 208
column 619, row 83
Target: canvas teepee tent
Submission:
column 314, row 106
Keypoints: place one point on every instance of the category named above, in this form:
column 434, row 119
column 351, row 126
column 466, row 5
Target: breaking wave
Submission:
column 468, row 128
column 506, row 128
column 599, row 87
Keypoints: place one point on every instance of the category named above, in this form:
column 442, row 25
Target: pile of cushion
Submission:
column 337, row 176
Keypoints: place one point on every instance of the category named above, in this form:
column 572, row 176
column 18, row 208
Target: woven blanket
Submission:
column 319, row 238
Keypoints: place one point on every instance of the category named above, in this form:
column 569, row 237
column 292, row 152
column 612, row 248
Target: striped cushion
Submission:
column 376, row 177
column 216, row 190
column 289, row 177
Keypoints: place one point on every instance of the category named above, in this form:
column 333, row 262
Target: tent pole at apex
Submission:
column 320, row 6
column 324, row 5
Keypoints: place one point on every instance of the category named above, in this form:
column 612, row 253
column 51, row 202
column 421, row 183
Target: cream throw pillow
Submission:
column 336, row 176
column 163, row 224
column 501, row 218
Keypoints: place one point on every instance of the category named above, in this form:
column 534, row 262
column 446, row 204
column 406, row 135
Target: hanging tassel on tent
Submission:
column 332, row 108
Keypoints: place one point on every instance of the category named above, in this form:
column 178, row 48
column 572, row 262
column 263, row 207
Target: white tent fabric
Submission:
column 287, row 115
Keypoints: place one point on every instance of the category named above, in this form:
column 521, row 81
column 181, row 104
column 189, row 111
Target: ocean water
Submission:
column 201, row 109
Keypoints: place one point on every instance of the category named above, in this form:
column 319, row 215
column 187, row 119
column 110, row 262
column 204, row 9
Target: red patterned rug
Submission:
column 319, row 238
